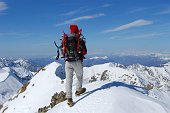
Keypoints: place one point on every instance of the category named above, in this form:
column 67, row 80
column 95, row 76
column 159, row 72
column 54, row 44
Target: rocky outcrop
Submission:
column 56, row 98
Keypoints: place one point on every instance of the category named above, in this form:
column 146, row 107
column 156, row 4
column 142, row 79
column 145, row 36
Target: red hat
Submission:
column 74, row 29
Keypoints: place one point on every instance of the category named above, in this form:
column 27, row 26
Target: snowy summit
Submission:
column 110, row 88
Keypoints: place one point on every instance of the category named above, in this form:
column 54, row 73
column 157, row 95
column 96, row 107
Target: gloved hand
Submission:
column 56, row 58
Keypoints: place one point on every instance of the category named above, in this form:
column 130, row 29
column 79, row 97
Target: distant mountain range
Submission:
column 119, row 88
column 13, row 74
column 16, row 72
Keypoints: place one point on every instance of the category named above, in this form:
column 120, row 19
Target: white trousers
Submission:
column 70, row 67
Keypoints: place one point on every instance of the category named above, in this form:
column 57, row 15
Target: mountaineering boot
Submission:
column 78, row 93
column 70, row 102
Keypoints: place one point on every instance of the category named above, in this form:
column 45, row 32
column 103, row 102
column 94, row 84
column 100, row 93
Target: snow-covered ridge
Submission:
column 42, row 84
column 111, row 87
column 18, row 63
column 13, row 74
column 21, row 68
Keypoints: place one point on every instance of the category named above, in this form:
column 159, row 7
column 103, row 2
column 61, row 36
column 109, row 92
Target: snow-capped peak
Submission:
column 13, row 74
column 110, row 87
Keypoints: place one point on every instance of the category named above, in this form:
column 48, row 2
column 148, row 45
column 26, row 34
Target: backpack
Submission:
column 73, row 45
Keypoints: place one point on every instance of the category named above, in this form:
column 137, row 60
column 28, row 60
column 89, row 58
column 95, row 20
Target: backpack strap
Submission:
column 78, row 40
column 64, row 40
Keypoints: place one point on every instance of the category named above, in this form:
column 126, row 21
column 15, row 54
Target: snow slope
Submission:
column 110, row 87
column 4, row 72
column 38, row 92
column 112, row 97
column 13, row 74
column 8, row 84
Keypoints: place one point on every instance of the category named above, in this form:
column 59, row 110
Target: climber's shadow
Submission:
column 114, row 84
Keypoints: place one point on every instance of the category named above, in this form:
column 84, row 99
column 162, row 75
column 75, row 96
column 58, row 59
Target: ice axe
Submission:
column 58, row 53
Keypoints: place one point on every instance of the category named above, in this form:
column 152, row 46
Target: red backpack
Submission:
column 73, row 45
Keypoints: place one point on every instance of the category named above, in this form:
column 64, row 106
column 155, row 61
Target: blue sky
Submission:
column 29, row 27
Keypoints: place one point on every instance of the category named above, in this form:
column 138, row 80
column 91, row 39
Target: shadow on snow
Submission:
column 114, row 84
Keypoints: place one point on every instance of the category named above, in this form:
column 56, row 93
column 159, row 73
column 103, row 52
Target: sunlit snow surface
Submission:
column 122, row 92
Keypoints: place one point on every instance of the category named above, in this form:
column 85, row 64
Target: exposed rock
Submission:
column 23, row 88
column 1, row 106
column 93, row 79
column 104, row 75
column 149, row 86
column 56, row 98
column 4, row 109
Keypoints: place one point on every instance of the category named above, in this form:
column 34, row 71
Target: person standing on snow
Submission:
column 73, row 50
